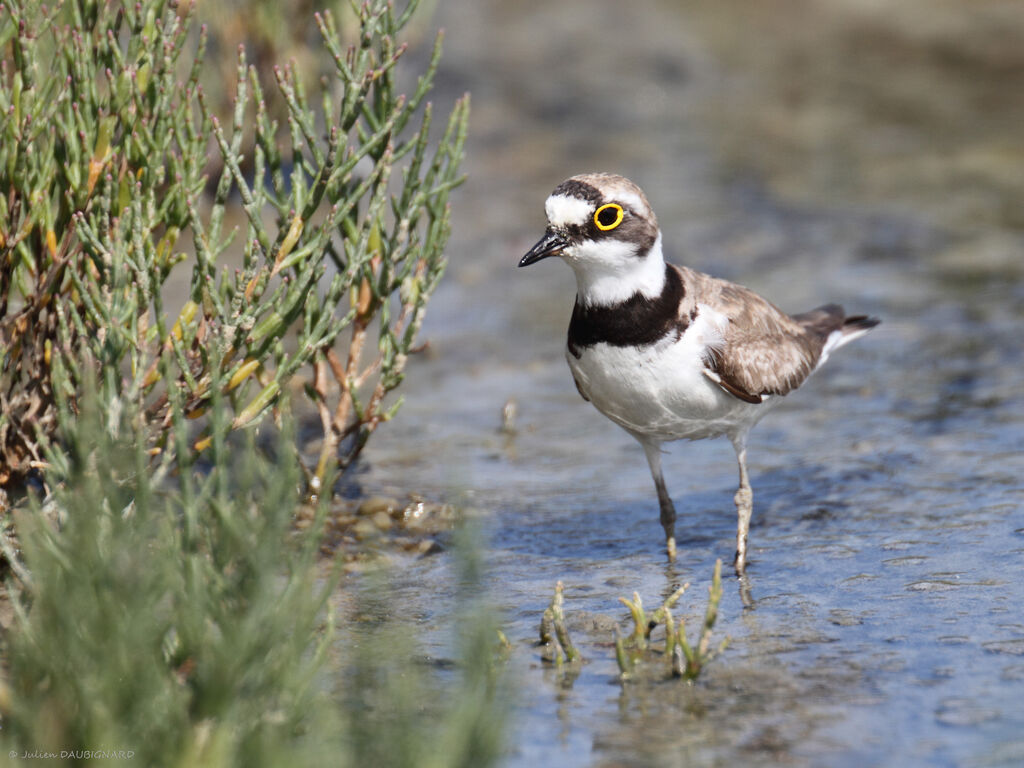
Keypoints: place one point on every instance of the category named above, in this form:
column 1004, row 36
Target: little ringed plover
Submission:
column 666, row 352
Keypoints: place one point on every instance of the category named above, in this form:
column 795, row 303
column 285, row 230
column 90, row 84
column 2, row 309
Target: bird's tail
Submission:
column 855, row 326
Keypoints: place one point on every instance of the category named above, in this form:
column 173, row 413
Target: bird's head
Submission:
column 603, row 227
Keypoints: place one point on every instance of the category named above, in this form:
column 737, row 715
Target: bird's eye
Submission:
column 608, row 216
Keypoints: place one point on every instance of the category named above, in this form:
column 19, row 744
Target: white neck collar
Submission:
column 618, row 275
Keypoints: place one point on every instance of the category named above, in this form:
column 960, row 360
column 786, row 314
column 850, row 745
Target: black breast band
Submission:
column 635, row 322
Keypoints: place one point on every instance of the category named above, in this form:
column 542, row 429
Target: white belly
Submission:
column 660, row 393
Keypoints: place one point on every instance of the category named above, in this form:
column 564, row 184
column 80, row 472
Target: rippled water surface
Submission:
column 814, row 152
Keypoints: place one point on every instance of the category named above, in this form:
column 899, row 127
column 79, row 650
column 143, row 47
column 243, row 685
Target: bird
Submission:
column 667, row 352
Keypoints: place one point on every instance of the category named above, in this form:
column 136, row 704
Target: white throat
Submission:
column 608, row 273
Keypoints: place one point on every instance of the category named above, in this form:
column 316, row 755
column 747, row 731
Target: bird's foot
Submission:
column 670, row 547
column 740, row 562
column 744, row 499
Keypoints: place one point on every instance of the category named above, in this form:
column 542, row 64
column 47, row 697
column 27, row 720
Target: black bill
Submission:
column 551, row 244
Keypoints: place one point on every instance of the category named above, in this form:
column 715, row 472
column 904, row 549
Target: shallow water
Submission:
column 885, row 582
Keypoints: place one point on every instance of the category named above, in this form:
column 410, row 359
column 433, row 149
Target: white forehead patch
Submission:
column 566, row 211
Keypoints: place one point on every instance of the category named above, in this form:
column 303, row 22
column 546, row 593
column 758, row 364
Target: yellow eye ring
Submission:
column 604, row 222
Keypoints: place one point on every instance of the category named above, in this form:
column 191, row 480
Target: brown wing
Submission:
column 764, row 350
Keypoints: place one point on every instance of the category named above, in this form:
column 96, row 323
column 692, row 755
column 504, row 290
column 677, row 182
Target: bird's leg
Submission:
column 668, row 510
column 744, row 499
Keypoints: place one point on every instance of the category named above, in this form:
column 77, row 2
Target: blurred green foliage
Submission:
column 190, row 623
column 171, row 259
